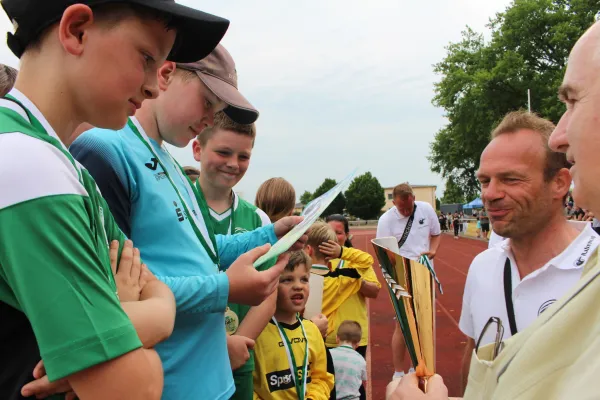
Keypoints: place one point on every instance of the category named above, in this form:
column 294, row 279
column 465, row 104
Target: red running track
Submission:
column 451, row 264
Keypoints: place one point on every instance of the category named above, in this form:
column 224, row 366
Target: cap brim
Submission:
column 239, row 109
column 198, row 33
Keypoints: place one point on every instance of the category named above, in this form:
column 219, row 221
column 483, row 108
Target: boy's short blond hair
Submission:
column 298, row 258
column 223, row 122
column 318, row 233
column 349, row 331
column 276, row 197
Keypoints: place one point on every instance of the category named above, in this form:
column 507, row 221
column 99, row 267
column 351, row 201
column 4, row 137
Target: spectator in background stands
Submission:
column 485, row 224
column 442, row 221
column 578, row 214
column 456, row 224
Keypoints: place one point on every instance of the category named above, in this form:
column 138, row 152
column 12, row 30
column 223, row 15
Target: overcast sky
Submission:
column 339, row 84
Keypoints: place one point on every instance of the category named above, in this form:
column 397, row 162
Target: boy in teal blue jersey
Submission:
column 156, row 206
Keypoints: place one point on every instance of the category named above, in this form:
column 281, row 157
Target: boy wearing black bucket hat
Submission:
column 157, row 207
column 87, row 61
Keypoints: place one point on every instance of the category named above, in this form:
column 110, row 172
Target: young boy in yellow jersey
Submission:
column 290, row 356
column 224, row 152
column 94, row 61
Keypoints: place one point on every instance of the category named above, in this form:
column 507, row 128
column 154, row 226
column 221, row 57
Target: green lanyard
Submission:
column 300, row 384
column 204, row 232
column 232, row 225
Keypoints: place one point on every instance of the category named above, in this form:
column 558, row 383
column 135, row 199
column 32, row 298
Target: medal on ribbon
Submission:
column 232, row 322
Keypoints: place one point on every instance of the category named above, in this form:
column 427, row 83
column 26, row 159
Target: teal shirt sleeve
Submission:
column 232, row 246
column 199, row 294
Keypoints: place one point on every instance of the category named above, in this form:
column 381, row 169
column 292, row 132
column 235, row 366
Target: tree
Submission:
column 481, row 82
column 365, row 197
column 338, row 204
column 453, row 193
column 306, row 197
column 438, row 204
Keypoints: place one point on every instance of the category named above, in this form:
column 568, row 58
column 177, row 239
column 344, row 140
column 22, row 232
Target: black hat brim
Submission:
column 198, row 33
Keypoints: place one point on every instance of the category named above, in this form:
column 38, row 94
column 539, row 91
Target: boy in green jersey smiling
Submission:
column 224, row 152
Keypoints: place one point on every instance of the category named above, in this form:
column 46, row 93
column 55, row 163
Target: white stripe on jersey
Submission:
column 264, row 218
column 31, row 168
column 219, row 217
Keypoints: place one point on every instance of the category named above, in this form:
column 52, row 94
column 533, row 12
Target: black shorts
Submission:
column 485, row 226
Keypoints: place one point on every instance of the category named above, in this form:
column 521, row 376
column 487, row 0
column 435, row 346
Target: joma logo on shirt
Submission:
column 152, row 164
column 282, row 380
column 294, row 340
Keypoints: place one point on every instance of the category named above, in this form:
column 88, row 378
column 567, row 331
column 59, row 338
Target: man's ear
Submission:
column 166, row 74
column 562, row 183
column 73, row 28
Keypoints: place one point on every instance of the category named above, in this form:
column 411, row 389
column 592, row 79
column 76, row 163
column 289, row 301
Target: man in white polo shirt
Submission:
column 415, row 226
column 523, row 186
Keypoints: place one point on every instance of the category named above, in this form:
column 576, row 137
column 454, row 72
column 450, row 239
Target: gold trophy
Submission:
column 411, row 286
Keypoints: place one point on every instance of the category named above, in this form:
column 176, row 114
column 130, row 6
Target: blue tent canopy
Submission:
column 477, row 203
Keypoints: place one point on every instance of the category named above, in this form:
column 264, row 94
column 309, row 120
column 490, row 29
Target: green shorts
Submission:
column 244, row 386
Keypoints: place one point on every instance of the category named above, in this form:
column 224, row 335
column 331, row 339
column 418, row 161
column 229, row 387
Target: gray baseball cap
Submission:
column 217, row 72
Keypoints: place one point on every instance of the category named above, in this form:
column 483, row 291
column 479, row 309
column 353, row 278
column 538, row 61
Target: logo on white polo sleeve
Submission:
column 584, row 255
